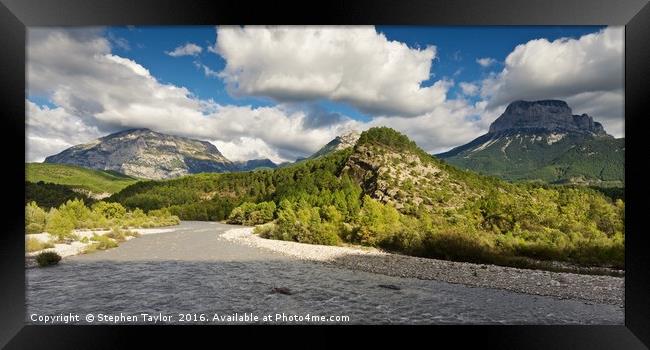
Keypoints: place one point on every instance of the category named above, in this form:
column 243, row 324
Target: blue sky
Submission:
column 248, row 85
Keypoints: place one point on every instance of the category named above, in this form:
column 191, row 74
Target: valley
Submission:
column 380, row 189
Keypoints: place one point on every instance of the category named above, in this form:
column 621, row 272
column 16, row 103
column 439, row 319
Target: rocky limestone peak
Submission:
column 544, row 115
column 149, row 154
column 348, row 140
column 338, row 143
column 146, row 154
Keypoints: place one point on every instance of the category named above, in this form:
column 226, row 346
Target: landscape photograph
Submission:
column 333, row 175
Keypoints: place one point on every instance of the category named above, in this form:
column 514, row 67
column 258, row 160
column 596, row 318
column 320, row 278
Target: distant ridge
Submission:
column 544, row 141
column 147, row 154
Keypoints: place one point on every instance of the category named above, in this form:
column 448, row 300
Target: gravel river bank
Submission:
column 205, row 268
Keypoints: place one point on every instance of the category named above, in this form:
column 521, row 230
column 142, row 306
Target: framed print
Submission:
column 450, row 168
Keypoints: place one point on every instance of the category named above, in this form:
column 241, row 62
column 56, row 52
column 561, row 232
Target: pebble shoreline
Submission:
column 76, row 247
column 562, row 285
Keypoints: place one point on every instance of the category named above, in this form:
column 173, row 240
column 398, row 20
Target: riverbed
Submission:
column 194, row 270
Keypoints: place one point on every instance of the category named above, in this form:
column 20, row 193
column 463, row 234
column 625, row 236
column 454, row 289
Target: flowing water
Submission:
column 191, row 274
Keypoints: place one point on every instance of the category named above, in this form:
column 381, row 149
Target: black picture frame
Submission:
column 16, row 15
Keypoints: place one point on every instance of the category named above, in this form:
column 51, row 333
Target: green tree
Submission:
column 109, row 210
column 59, row 224
column 35, row 218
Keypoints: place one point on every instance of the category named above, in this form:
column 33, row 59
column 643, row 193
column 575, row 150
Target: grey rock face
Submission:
column 544, row 141
column 148, row 154
column 338, row 143
column 544, row 115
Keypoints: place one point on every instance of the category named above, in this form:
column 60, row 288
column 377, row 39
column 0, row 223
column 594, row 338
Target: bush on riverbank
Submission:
column 100, row 242
column 581, row 229
column 305, row 224
column 252, row 214
column 74, row 214
column 120, row 235
column 34, row 245
column 35, row 218
column 47, row 259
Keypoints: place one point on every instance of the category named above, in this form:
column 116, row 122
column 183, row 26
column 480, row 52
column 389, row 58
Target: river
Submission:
column 193, row 270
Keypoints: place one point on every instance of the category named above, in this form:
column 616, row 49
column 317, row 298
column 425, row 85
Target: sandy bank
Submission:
column 77, row 247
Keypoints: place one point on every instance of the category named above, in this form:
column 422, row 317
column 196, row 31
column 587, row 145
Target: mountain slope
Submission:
column 543, row 140
column 253, row 164
column 51, row 195
column 337, row 144
column 95, row 181
column 151, row 155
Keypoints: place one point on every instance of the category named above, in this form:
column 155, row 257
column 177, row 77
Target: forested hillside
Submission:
column 48, row 195
column 387, row 192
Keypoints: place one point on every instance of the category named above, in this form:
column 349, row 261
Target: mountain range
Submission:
column 531, row 141
column 147, row 154
column 544, row 141
column 380, row 189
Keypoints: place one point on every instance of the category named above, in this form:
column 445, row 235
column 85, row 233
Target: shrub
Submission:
column 91, row 248
column 456, row 245
column 34, row 228
column 303, row 225
column 76, row 212
column 322, row 233
column 252, row 214
column 265, row 231
column 103, row 242
column 159, row 213
column 109, row 210
column 120, row 235
column 33, row 245
column 34, row 215
column 376, row 222
column 47, row 259
column 116, row 234
column 59, row 224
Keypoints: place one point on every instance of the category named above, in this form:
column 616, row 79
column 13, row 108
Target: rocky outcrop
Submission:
column 543, row 140
column 402, row 178
column 338, row 143
column 545, row 115
column 148, row 154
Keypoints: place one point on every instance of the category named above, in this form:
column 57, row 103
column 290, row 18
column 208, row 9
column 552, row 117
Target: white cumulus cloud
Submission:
column 469, row 89
column 50, row 130
column 189, row 49
column 355, row 65
column 97, row 92
column 486, row 61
